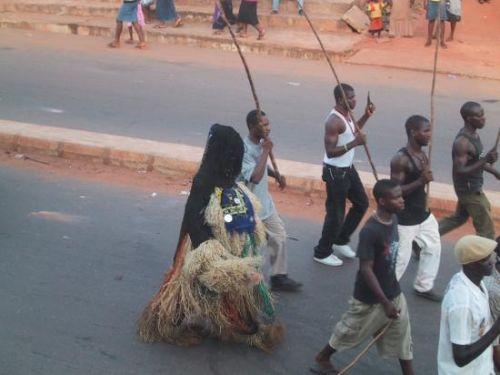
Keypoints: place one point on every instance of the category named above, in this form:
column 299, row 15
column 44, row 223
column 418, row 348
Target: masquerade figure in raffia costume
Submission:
column 215, row 286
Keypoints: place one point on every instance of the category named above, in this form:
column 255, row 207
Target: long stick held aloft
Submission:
column 433, row 90
column 344, row 97
column 249, row 76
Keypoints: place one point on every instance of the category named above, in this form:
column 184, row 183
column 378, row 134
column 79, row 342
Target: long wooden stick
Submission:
column 344, row 97
column 249, row 76
column 433, row 90
column 374, row 340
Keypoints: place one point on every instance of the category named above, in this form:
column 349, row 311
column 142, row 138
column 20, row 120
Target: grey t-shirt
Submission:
column 261, row 190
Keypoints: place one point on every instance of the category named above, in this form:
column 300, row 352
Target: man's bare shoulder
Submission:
column 334, row 122
column 462, row 144
column 400, row 159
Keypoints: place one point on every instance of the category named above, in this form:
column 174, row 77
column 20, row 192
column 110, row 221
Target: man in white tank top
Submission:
column 342, row 179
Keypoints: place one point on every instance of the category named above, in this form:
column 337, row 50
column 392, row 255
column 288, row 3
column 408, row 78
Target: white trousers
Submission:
column 276, row 240
column 426, row 234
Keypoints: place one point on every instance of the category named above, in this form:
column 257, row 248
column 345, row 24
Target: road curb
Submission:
column 178, row 160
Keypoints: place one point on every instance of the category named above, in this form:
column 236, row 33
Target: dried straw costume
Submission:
column 215, row 286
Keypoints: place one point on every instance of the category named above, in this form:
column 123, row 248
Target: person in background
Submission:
column 453, row 15
column 166, row 12
column 247, row 15
column 435, row 9
column 128, row 13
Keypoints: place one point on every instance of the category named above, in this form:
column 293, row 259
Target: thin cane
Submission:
column 344, row 97
column 370, row 344
column 249, row 76
column 433, row 90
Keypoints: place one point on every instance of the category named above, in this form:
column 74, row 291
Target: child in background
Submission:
column 374, row 9
column 247, row 15
column 140, row 20
column 128, row 13
column 146, row 8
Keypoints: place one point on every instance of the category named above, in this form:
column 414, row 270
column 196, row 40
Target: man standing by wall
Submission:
column 342, row 179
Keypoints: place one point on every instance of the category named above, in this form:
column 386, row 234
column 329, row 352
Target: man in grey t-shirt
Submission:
column 255, row 172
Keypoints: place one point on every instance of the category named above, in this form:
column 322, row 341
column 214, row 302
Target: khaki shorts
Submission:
column 362, row 321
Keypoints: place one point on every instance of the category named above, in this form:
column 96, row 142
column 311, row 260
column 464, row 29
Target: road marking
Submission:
column 52, row 110
column 57, row 216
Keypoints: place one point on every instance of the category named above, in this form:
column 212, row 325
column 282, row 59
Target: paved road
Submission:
column 72, row 289
column 174, row 94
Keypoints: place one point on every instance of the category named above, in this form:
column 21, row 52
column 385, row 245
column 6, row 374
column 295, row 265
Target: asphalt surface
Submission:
column 74, row 280
column 174, row 94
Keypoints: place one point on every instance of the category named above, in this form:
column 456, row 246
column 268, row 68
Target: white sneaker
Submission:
column 344, row 250
column 330, row 260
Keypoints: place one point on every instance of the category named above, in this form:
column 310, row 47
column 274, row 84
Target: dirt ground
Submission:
column 476, row 36
column 296, row 205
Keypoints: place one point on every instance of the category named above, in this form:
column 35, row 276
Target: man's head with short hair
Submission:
column 349, row 93
column 418, row 128
column 258, row 127
column 253, row 118
column 473, row 114
column 388, row 195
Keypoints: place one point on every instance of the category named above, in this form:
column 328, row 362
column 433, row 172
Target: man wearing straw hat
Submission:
column 467, row 331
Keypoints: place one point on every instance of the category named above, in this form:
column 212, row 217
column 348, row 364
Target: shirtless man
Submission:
column 342, row 179
column 469, row 162
column 410, row 168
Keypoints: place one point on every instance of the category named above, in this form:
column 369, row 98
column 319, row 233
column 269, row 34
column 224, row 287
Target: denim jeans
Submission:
column 341, row 184
column 276, row 4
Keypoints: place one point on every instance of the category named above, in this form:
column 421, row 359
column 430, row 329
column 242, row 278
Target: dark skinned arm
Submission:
column 366, row 269
column 461, row 148
column 496, row 357
column 491, row 169
column 465, row 354
column 261, row 166
column 399, row 166
column 369, row 110
column 333, row 127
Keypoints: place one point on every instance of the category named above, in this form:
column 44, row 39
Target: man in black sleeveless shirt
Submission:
column 410, row 168
column 469, row 162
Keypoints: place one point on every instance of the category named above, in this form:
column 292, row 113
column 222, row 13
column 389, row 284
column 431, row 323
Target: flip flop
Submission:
column 316, row 368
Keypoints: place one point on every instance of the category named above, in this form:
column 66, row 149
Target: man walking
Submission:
column 377, row 294
column 467, row 330
column 255, row 172
column 342, row 179
column 469, row 162
column 410, row 168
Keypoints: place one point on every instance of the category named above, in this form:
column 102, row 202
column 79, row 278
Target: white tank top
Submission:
column 344, row 160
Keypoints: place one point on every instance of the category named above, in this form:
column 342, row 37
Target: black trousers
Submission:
column 341, row 184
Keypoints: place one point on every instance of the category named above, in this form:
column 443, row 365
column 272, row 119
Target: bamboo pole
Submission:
column 433, row 91
column 365, row 350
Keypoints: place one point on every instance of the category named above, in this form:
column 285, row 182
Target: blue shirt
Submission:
column 261, row 190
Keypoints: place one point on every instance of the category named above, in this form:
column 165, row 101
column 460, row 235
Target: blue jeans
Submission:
column 276, row 4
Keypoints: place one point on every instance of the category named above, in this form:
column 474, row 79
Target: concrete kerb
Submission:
column 179, row 160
